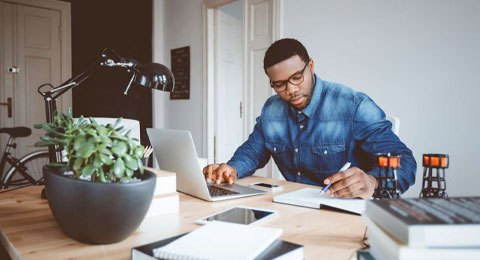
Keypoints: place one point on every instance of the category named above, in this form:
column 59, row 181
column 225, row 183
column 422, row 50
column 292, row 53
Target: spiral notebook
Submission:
column 220, row 240
column 278, row 250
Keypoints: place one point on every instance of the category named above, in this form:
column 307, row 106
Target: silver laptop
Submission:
column 175, row 151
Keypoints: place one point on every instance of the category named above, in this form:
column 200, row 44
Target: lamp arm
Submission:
column 50, row 96
column 75, row 81
column 104, row 61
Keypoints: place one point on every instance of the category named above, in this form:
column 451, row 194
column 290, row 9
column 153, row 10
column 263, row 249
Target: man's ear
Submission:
column 312, row 66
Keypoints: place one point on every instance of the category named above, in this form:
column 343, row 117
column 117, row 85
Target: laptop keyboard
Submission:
column 216, row 191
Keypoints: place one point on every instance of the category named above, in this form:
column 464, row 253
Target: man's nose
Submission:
column 292, row 88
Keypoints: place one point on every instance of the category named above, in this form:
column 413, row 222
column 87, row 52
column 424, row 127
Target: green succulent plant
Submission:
column 105, row 153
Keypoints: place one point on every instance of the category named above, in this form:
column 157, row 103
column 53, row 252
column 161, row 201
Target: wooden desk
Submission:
column 29, row 231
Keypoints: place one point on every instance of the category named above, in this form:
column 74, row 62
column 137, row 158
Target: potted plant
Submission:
column 102, row 193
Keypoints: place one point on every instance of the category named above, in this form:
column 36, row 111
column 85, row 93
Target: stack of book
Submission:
column 436, row 228
column 223, row 240
column 165, row 197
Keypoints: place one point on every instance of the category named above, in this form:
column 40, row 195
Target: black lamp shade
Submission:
column 156, row 76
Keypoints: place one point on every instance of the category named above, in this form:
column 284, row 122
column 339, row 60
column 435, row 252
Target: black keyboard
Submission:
column 216, row 191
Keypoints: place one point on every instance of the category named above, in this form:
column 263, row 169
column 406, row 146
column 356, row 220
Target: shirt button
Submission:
column 299, row 112
column 298, row 173
column 301, row 126
column 296, row 150
column 325, row 151
column 274, row 149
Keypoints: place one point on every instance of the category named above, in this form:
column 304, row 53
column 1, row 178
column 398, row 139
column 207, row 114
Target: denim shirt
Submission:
column 338, row 125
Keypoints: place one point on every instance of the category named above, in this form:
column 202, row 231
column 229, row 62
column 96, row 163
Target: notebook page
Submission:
column 311, row 197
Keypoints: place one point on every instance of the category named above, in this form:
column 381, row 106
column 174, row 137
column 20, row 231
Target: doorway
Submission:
column 35, row 49
column 229, row 80
column 235, row 96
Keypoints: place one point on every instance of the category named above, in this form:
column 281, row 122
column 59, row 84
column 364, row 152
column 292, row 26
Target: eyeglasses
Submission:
column 295, row 79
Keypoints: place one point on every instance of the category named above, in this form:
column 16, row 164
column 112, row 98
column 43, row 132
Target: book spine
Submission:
column 380, row 249
column 166, row 183
column 163, row 204
column 383, row 246
column 388, row 222
column 381, row 243
column 464, row 235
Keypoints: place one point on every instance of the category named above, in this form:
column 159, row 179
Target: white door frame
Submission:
column 65, row 37
column 209, row 61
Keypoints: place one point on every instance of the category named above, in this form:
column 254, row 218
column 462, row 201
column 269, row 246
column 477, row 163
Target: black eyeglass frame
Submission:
column 283, row 86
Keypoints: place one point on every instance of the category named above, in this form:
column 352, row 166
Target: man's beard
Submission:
column 308, row 97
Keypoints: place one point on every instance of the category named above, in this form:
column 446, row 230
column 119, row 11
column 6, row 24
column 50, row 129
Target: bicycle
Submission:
column 26, row 171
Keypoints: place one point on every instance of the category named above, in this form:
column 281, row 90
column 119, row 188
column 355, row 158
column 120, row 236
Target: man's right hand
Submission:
column 220, row 173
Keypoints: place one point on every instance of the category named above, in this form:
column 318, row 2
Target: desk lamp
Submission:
column 387, row 176
column 153, row 75
column 434, row 184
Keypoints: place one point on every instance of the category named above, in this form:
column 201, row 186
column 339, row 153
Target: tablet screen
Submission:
column 240, row 215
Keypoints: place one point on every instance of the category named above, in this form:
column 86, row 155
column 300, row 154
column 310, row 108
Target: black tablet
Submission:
column 239, row 215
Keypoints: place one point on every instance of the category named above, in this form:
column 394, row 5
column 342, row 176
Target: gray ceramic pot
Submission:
column 95, row 212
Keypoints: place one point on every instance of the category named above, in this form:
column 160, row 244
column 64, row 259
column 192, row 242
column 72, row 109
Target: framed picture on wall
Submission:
column 181, row 71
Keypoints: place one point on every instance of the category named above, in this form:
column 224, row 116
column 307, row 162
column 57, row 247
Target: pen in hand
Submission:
column 345, row 167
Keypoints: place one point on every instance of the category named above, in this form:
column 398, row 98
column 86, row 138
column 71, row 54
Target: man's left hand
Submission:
column 351, row 183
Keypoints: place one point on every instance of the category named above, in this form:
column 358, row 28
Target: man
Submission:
column 312, row 128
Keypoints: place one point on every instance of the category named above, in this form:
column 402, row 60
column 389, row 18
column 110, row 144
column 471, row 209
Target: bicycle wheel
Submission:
column 28, row 171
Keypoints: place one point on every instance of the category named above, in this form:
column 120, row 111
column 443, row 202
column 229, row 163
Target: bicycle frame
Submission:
column 15, row 164
column 6, row 156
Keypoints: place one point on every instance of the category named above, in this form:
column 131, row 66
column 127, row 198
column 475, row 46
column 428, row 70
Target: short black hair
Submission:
column 282, row 50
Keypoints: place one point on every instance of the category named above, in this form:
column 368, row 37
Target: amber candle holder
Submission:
column 434, row 184
column 387, row 176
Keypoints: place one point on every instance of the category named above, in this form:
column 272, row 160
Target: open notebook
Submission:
column 311, row 198
column 220, row 240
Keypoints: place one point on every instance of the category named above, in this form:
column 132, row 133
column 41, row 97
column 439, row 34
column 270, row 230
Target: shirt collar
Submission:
column 310, row 110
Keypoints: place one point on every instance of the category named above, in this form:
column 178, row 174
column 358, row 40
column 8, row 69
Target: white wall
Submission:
column 178, row 23
column 419, row 60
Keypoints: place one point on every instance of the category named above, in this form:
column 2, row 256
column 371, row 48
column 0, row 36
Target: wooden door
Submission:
column 32, row 46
